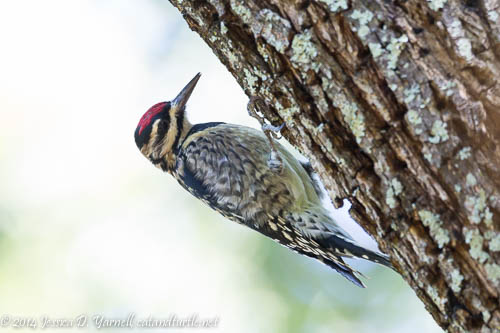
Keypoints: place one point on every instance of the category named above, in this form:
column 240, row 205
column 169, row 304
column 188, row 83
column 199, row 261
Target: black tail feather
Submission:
column 350, row 249
column 343, row 269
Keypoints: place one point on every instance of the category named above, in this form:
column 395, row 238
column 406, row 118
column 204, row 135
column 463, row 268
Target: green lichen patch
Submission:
column 486, row 315
column 456, row 280
column 223, row 28
column 228, row 51
column 355, row 120
column 390, row 199
column 493, row 272
column 428, row 156
column 239, row 8
column 315, row 130
column 412, row 97
column 438, row 132
column 494, row 240
column 475, row 241
column 363, row 18
column 287, row 113
column 303, row 49
column 395, row 47
column 320, row 128
column 425, row 103
column 462, row 43
column 231, row 57
column 470, row 180
column 375, row 49
column 478, row 207
column 447, row 87
column 413, row 117
column 395, row 188
column 458, row 188
column 436, row 298
column 336, row 5
column 350, row 111
column 411, row 93
column 465, row 48
column 433, row 222
column 493, row 16
column 436, row 4
column 319, row 96
column 275, row 29
column 464, row 153
column 251, row 80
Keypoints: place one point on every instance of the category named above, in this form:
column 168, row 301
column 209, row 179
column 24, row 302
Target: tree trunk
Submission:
column 397, row 106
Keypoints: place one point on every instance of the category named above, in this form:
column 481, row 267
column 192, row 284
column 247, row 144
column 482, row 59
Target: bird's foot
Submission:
column 274, row 161
column 275, row 130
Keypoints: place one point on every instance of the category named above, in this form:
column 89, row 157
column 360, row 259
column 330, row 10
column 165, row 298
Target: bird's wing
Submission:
column 226, row 166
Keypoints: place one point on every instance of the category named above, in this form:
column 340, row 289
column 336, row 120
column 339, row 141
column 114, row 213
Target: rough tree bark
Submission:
column 397, row 105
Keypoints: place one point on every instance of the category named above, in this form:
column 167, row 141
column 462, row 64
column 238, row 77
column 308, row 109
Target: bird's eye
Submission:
column 163, row 125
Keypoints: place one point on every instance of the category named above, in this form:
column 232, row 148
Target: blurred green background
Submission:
column 89, row 226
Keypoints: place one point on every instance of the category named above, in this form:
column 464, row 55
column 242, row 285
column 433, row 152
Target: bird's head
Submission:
column 163, row 126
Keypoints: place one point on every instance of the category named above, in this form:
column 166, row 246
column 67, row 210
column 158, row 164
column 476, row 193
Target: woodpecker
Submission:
column 227, row 167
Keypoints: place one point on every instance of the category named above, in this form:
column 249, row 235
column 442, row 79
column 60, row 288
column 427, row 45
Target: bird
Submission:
column 227, row 166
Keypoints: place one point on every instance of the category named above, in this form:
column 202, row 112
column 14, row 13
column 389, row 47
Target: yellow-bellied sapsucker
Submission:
column 226, row 166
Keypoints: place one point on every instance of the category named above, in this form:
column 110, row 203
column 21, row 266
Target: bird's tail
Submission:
column 348, row 248
column 322, row 238
column 317, row 224
column 343, row 269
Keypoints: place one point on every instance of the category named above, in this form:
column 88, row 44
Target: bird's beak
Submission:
column 180, row 101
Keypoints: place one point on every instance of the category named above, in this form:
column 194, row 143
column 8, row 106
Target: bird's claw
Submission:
column 274, row 162
column 275, row 130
